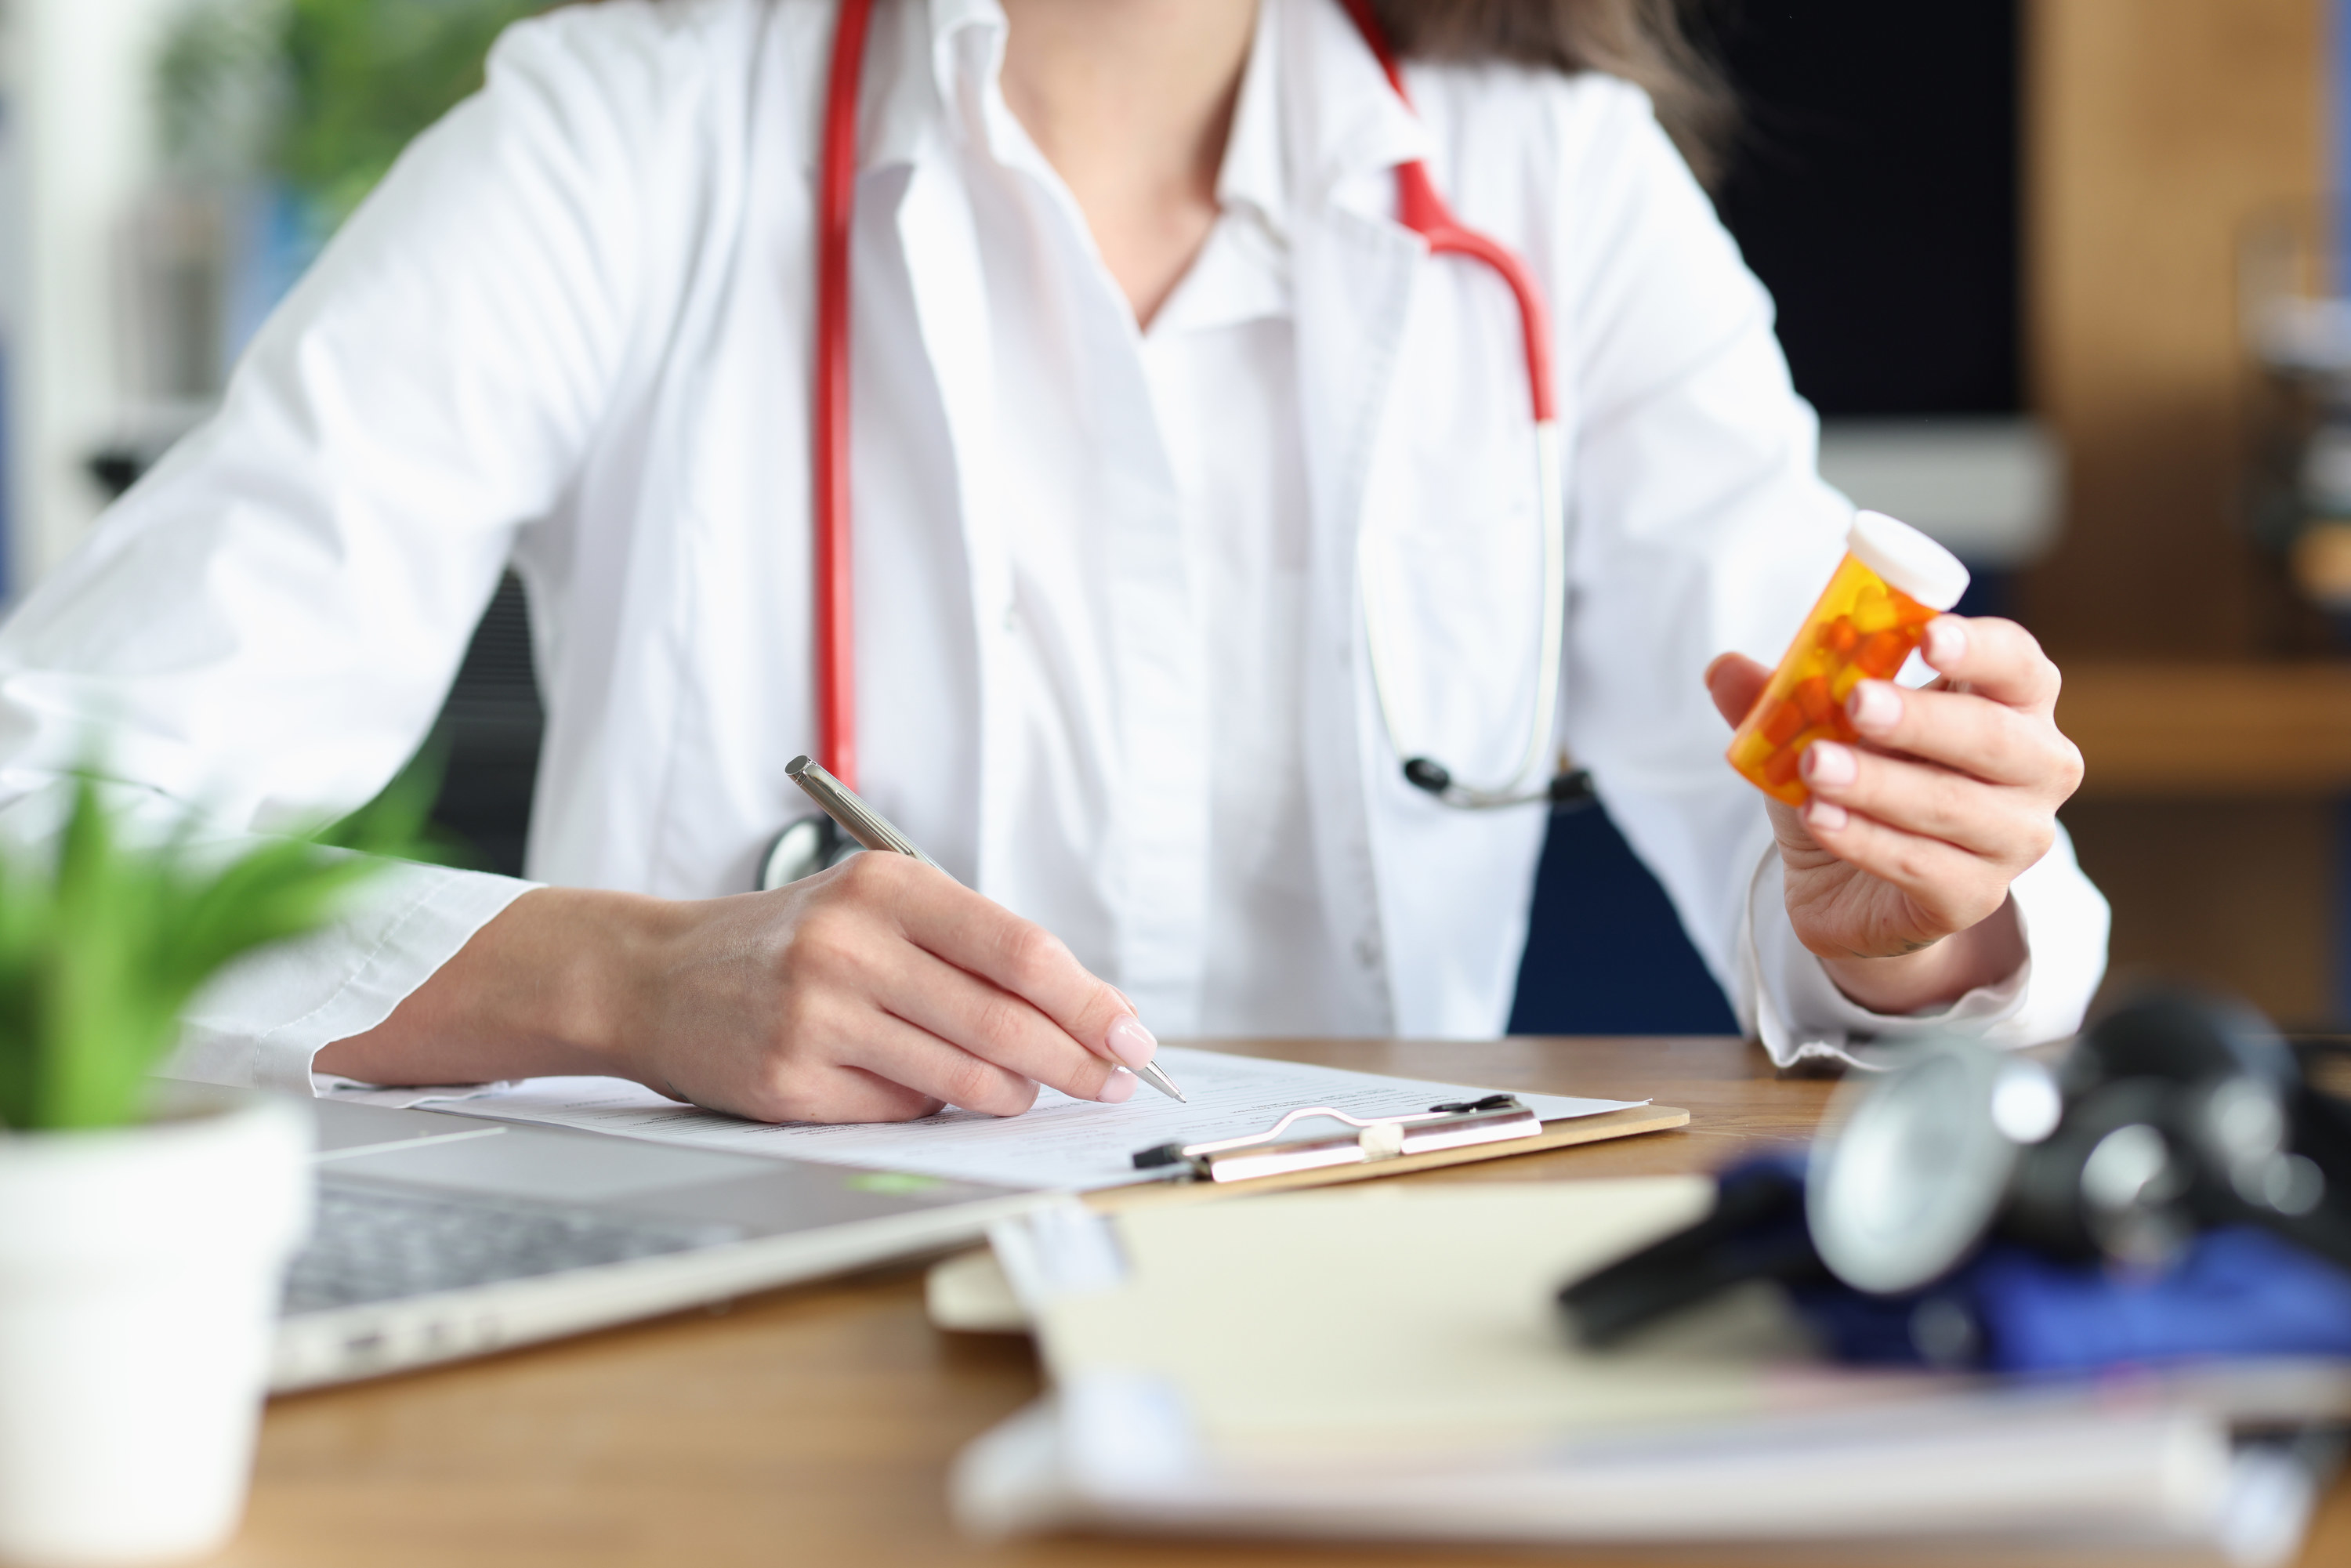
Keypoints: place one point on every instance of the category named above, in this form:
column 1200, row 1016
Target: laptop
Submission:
column 441, row 1235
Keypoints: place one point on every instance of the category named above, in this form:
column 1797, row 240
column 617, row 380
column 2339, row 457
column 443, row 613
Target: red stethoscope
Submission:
column 811, row 844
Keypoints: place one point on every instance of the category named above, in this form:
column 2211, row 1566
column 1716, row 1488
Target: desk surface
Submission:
column 815, row 1424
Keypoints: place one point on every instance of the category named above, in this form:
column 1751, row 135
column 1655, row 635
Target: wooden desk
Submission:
column 815, row 1424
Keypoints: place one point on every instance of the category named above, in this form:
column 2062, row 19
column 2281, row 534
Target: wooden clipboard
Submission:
column 1565, row 1133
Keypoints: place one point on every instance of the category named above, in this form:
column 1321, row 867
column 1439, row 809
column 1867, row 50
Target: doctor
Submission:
column 1168, row 438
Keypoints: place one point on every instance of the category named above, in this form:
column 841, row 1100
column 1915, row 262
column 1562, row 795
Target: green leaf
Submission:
column 102, row 949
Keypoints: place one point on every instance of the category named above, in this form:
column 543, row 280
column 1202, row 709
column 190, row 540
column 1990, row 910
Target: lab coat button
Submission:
column 1367, row 950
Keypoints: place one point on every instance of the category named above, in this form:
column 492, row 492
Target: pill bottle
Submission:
column 1872, row 616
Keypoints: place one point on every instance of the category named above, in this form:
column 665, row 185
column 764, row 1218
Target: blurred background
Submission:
column 2066, row 280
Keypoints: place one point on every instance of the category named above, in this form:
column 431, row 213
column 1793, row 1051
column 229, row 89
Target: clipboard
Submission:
column 1498, row 1127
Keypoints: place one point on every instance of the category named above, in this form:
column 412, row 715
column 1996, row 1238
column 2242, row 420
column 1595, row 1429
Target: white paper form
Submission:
column 1060, row 1142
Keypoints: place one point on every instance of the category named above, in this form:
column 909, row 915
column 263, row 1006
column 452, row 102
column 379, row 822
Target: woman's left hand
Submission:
column 1898, row 868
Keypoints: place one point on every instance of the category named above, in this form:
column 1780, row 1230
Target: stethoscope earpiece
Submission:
column 1570, row 788
column 1426, row 773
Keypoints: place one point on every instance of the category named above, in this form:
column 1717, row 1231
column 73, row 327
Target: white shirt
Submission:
column 1204, row 406
column 571, row 329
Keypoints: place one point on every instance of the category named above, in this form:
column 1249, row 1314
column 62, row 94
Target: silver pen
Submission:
column 872, row 830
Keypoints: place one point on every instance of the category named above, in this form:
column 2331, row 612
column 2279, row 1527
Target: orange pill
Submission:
column 1813, row 696
column 1881, row 653
column 1839, row 637
column 1782, row 769
column 1786, row 718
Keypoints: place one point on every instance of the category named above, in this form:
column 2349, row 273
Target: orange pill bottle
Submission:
column 1870, row 619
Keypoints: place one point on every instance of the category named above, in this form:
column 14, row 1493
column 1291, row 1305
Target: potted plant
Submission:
column 144, row 1228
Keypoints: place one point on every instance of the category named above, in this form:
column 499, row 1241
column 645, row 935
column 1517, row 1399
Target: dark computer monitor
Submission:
column 1875, row 191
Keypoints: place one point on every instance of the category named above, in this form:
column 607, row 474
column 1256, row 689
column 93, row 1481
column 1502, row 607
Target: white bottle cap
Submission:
column 1907, row 559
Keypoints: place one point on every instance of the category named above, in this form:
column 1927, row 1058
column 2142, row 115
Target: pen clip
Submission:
column 1496, row 1118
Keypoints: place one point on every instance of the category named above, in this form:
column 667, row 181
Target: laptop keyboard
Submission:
column 375, row 1245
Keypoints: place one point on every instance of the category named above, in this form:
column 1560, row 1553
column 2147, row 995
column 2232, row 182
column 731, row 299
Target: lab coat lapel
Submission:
column 941, row 249
column 1355, row 270
column 1355, row 278
column 1430, row 903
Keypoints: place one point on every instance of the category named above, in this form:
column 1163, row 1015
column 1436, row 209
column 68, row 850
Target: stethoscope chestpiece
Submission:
column 1921, row 1162
column 2173, row 1116
column 807, row 845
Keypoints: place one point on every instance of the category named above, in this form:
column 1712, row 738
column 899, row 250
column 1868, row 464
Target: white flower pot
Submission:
column 139, row 1271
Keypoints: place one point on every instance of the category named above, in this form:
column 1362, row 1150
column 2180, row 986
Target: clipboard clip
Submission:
column 1496, row 1119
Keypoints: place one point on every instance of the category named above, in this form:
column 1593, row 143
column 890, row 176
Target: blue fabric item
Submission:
column 2237, row 1291
column 1869, row 1331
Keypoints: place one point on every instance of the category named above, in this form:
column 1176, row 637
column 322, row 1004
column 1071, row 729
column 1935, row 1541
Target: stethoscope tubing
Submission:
column 836, row 627
column 1421, row 209
column 1517, row 789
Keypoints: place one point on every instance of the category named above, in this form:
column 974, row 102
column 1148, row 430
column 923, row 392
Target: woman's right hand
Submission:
column 875, row 991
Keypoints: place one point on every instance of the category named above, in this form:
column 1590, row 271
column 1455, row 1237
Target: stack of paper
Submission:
column 1387, row 1362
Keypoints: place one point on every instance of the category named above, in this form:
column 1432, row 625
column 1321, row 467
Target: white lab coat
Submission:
column 571, row 330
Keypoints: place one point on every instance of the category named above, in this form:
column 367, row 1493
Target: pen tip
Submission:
column 1150, row 1073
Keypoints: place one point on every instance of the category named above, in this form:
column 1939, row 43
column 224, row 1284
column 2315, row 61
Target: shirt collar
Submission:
column 1242, row 272
column 1340, row 117
column 1255, row 178
column 930, row 67
column 1316, row 109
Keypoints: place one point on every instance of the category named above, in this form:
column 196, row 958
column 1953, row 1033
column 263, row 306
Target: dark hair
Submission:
column 1650, row 43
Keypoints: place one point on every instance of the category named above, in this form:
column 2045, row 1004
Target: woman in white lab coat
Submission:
column 1152, row 395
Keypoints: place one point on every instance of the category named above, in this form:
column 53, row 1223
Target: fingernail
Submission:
column 1946, row 640
column 1874, row 705
column 1131, row 1043
column 1120, row 1089
column 1826, row 762
column 1824, row 816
